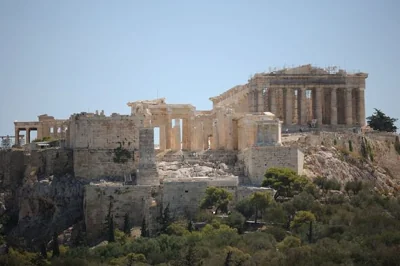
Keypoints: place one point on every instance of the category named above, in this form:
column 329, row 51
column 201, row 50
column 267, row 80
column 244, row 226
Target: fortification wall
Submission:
column 105, row 146
column 257, row 160
column 100, row 163
column 100, row 132
column 139, row 202
column 183, row 196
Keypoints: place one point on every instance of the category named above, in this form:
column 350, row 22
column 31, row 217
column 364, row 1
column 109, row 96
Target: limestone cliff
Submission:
column 351, row 156
column 39, row 194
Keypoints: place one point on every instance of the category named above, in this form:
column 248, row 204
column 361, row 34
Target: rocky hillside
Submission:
column 38, row 194
column 350, row 156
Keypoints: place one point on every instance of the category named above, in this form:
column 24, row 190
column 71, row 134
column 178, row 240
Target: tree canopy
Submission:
column 381, row 122
column 218, row 198
column 260, row 201
column 285, row 181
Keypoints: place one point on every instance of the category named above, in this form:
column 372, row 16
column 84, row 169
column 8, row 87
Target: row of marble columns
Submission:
column 257, row 98
column 18, row 137
column 43, row 130
column 171, row 137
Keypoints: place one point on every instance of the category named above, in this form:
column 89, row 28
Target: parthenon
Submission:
column 297, row 96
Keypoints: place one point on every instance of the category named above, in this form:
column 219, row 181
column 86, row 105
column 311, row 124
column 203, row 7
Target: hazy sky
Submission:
column 64, row 57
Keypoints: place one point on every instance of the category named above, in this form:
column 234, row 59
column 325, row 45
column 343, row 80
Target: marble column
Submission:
column 302, row 106
column 348, row 105
column 163, row 141
column 168, row 133
column 17, row 137
column 272, row 101
column 186, row 133
column 334, row 106
column 28, row 136
column 215, row 137
column 361, row 106
column 318, row 105
column 288, row 96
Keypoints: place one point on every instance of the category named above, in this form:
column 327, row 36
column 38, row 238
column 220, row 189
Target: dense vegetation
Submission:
column 305, row 224
column 381, row 122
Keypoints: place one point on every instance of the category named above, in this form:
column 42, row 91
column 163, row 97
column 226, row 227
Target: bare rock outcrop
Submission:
column 46, row 207
column 337, row 164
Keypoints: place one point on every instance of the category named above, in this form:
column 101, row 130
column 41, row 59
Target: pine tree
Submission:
column 190, row 226
column 127, row 224
column 143, row 229
column 228, row 259
column 111, row 233
column 56, row 248
column 381, row 122
column 165, row 220
column 192, row 257
column 43, row 250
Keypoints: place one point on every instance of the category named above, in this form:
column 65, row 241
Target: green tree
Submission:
column 285, row 181
column 327, row 184
column 190, row 226
column 144, row 231
column 301, row 218
column 381, row 122
column 260, row 201
column 127, row 224
column 111, row 233
column 236, row 220
column 165, row 219
column 56, row 248
column 192, row 257
column 245, row 207
column 43, row 250
column 218, row 198
column 353, row 186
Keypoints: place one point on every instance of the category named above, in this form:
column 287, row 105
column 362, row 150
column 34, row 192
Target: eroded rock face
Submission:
column 38, row 194
column 47, row 206
column 333, row 164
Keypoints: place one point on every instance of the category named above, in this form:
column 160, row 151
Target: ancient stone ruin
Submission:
column 230, row 146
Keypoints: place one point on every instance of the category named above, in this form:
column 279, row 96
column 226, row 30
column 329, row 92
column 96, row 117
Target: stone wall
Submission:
column 100, row 163
column 139, row 202
column 104, row 146
column 100, row 132
column 257, row 160
column 183, row 196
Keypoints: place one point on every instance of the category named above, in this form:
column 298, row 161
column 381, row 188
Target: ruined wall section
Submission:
column 183, row 196
column 147, row 170
column 236, row 97
column 139, row 202
column 257, row 160
column 105, row 146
